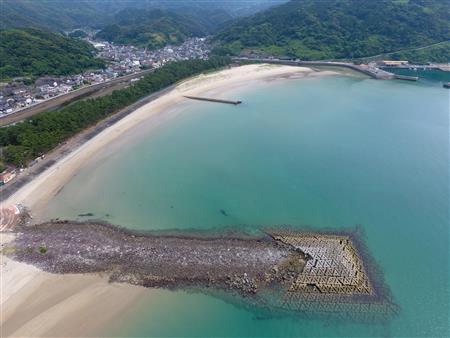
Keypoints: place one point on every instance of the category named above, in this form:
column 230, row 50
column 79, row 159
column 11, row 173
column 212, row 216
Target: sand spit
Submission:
column 28, row 302
column 312, row 274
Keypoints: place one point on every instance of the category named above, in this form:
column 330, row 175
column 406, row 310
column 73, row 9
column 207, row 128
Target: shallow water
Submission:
column 427, row 77
column 327, row 152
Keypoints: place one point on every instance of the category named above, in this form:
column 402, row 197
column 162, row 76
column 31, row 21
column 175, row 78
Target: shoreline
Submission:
column 73, row 289
column 162, row 106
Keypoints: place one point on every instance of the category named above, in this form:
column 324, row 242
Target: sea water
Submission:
column 329, row 152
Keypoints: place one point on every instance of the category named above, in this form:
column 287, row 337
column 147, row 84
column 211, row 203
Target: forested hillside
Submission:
column 54, row 15
column 69, row 14
column 156, row 28
column 437, row 53
column 311, row 29
column 25, row 141
column 33, row 52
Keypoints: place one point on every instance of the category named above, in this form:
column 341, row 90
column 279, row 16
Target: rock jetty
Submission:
column 282, row 271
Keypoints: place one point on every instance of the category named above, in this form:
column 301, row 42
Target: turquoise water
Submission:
column 328, row 152
column 426, row 77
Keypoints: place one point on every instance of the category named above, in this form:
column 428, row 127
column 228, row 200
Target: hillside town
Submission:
column 120, row 59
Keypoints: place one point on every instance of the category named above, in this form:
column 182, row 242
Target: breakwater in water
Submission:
column 208, row 99
column 405, row 77
column 281, row 270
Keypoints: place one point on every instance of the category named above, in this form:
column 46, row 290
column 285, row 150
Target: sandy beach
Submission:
column 219, row 84
column 36, row 303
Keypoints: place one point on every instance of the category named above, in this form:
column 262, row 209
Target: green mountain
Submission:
column 78, row 33
column 439, row 53
column 69, row 14
column 54, row 15
column 312, row 29
column 235, row 8
column 33, row 52
column 158, row 27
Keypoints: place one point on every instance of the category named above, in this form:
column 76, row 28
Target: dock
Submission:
column 213, row 100
column 440, row 67
column 405, row 77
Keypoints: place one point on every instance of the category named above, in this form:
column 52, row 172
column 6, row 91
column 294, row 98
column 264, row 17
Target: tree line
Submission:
column 23, row 142
column 335, row 29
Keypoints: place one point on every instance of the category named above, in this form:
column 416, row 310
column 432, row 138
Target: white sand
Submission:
column 35, row 303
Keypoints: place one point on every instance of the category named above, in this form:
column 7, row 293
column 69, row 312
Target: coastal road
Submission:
column 96, row 90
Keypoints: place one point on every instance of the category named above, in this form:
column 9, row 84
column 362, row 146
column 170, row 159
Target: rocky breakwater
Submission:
column 282, row 272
